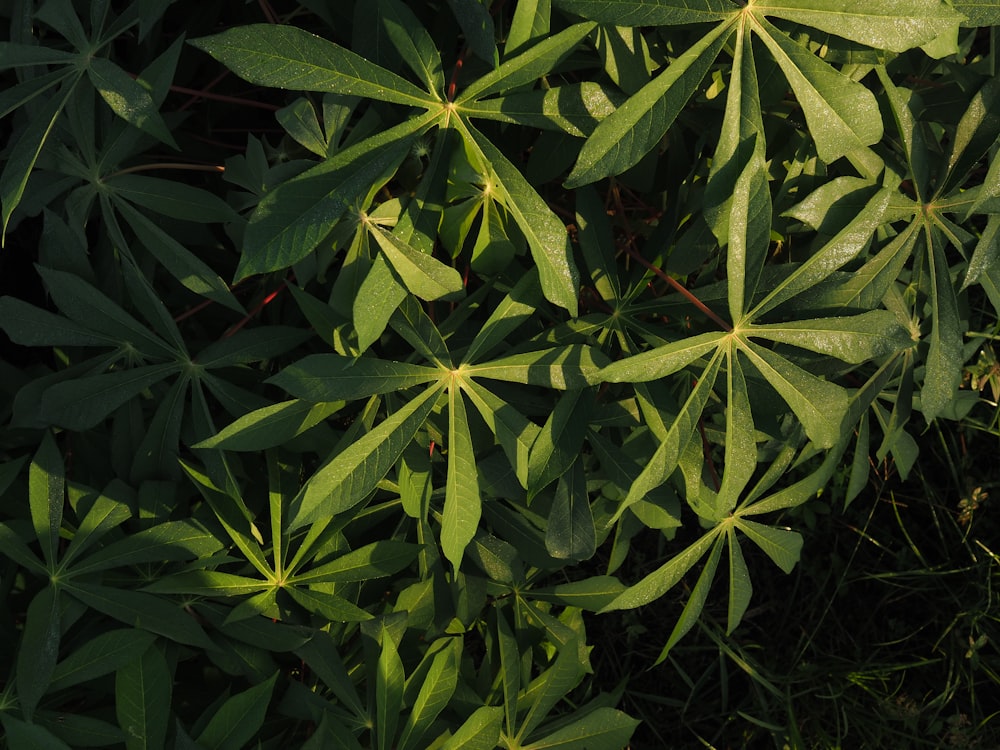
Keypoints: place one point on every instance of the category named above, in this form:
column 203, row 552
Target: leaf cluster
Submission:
column 348, row 422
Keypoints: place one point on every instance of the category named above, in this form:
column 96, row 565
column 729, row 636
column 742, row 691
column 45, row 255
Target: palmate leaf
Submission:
column 781, row 545
column 142, row 700
column 696, row 601
column 39, row 649
column 532, row 20
column 945, row 356
column 986, row 256
column 141, row 610
column 184, row 265
column 388, row 691
column 271, row 426
column 170, row 198
column 846, row 245
column 645, row 13
column 334, row 608
column 514, row 431
column 21, row 734
column 413, row 43
column 420, row 274
column 514, row 309
column 128, row 99
column 375, row 560
column 462, row 503
column 550, row 687
column 331, row 377
column 529, row 66
column 663, row 360
column 575, row 108
column 481, row 731
column 603, row 728
column 737, row 198
column 25, row 152
column 236, row 519
column 625, row 136
column 238, row 719
column 558, row 443
column 105, row 514
column 661, row 465
column 290, row 58
column 819, row 404
column 101, row 655
column 171, row 540
column 570, row 532
column 895, row 25
column 510, row 669
column 740, row 588
column 46, row 497
column 842, row 115
column 294, row 218
column 565, row 368
column 661, row 580
column 545, row 233
column 435, row 692
column 855, row 339
column 741, row 448
column 351, row 475
column 377, row 299
column 85, row 305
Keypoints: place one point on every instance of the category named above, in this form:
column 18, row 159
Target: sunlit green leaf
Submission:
column 462, row 503
column 352, row 474
column 635, row 128
column 290, row 58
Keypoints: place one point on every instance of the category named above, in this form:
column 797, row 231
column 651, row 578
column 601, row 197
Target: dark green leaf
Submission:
column 100, row 656
column 142, row 700
column 238, row 719
column 39, row 649
column 570, row 532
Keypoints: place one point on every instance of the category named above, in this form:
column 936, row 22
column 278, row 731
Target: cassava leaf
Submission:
column 842, row 114
column 462, row 503
column 352, row 474
column 644, row 13
column 142, row 700
column 545, row 233
column 290, row 58
column 238, row 719
column 331, row 377
column 634, row 129
column 895, row 25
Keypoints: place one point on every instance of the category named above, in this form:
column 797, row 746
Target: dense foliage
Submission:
column 361, row 351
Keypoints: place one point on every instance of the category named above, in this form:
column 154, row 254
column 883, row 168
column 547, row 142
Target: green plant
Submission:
column 604, row 289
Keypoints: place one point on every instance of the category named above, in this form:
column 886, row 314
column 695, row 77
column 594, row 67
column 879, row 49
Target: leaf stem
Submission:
column 201, row 94
column 633, row 253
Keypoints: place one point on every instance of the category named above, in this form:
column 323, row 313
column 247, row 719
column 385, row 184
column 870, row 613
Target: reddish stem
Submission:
column 253, row 313
column 453, row 83
column 223, row 98
column 634, row 253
